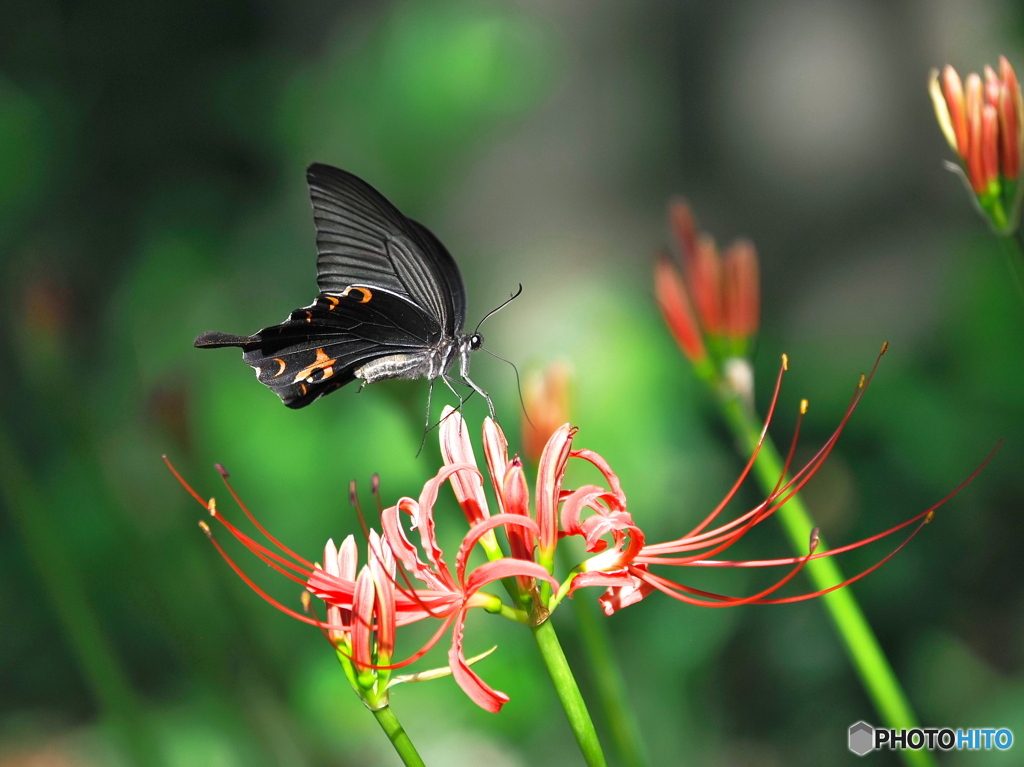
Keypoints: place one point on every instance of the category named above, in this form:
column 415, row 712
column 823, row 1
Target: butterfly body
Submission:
column 391, row 305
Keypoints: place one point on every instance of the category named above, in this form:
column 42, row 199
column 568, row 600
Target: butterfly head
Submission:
column 476, row 341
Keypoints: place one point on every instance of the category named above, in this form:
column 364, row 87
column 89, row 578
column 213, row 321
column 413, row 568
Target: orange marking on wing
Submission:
column 322, row 362
column 303, row 388
column 334, row 301
column 367, row 293
column 282, row 364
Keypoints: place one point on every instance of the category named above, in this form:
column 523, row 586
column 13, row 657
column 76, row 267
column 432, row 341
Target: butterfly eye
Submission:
column 476, row 341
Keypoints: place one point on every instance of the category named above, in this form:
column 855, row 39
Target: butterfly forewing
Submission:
column 362, row 239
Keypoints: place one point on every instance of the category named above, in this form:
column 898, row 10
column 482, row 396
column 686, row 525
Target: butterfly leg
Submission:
column 448, row 383
column 426, row 423
column 490, row 405
column 464, row 374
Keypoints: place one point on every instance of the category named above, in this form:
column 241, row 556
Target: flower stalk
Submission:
column 569, row 694
column 730, row 377
column 862, row 646
column 547, row 401
column 399, row 739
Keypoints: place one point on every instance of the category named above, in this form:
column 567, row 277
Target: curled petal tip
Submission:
column 221, row 470
column 206, row 529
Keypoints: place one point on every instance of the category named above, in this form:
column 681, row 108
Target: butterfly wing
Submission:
column 363, row 240
column 320, row 347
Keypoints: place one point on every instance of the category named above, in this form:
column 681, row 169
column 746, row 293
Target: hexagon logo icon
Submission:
column 862, row 738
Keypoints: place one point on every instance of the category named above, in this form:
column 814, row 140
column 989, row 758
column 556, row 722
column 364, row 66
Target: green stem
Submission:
column 873, row 668
column 399, row 740
column 611, row 687
column 569, row 694
column 62, row 582
column 1015, row 261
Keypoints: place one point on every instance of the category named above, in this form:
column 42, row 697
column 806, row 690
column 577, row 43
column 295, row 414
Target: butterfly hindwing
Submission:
column 320, row 347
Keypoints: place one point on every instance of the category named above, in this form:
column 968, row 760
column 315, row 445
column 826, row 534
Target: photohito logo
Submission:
column 863, row 738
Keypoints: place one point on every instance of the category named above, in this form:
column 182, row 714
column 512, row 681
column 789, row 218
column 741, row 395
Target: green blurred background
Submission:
column 152, row 161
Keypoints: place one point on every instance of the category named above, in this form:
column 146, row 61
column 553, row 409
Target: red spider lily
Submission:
column 375, row 601
column 714, row 302
column 982, row 120
column 623, row 559
column 435, row 572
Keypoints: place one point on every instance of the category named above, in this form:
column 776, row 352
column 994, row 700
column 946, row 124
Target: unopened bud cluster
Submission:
column 981, row 118
column 712, row 303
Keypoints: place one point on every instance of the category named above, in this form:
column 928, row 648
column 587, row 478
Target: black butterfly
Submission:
column 391, row 304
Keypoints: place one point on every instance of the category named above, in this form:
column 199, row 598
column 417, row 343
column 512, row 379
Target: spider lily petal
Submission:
column 457, row 449
column 550, row 471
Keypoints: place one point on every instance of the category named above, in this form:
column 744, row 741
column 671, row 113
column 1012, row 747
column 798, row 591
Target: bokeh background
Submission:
column 152, row 161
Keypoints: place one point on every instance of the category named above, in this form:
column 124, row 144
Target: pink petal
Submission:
column 600, row 578
column 496, row 453
column 585, row 497
column 517, row 502
column 478, row 531
column 504, row 568
column 330, row 588
column 382, row 567
column 457, row 449
column 404, row 551
column 478, row 691
column 615, row 599
column 348, row 559
column 362, row 619
column 550, row 471
column 425, row 516
column 606, row 470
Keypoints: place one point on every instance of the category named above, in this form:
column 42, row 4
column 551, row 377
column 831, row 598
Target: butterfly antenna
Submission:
column 519, row 386
column 501, row 306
